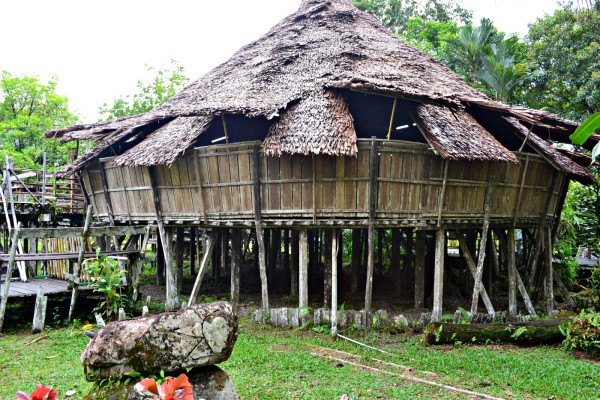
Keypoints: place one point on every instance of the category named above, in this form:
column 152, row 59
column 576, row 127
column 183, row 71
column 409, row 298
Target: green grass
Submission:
column 269, row 363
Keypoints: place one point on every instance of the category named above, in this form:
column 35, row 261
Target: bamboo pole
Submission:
column 9, row 269
column 212, row 239
column 369, row 283
column 512, row 273
column 483, row 241
column 549, row 273
column 389, row 135
column 473, row 268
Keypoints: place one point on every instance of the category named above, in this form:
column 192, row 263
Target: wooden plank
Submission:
column 285, row 169
column 213, row 171
column 328, row 182
column 307, row 187
column 351, row 186
column 383, row 190
column 224, row 177
column 274, row 192
column 340, row 185
column 244, row 174
column 65, row 232
column 234, row 177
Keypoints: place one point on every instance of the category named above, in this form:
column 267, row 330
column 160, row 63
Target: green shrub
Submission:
column 583, row 332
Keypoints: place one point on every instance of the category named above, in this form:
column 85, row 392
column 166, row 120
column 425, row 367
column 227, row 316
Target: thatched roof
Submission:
column 294, row 75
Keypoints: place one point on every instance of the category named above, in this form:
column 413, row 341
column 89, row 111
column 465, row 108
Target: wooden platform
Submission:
column 29, row 288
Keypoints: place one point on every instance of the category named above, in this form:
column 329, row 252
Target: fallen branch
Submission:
column 35, row 340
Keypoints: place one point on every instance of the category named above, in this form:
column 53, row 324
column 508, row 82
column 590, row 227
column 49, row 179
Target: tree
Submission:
column 164, row 85
column 29, row 108
column 566, row 52
column 395, row 14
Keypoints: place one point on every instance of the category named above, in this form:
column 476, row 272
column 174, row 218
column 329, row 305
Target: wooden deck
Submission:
column 29, row 288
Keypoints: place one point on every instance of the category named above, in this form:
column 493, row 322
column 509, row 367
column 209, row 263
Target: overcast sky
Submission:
column 99, row 48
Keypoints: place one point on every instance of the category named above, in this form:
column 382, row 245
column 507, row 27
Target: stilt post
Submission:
column 334, row 283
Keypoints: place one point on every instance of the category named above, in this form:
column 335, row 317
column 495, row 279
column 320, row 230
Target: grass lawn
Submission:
column 270, row 363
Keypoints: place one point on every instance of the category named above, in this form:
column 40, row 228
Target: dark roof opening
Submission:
column 503, row 131
column 239, row 129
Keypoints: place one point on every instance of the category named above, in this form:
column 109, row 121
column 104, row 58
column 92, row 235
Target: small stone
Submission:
column 70, row 393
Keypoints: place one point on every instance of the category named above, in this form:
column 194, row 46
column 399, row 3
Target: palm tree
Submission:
column 466, row 52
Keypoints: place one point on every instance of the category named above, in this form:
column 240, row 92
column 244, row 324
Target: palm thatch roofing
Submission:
column 295, row 75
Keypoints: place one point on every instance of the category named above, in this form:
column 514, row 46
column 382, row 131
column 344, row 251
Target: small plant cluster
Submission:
column 583, row 332
column 105, row 272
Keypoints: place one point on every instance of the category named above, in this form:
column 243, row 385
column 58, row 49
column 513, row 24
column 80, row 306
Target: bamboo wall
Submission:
column 407, row 183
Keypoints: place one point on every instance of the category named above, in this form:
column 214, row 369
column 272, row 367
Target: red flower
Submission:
column 169, row 390
column 41, row 392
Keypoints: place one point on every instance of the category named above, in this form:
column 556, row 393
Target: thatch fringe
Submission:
column 551, row 154
column 457, row 136
column 166, row 144
column 318, row 124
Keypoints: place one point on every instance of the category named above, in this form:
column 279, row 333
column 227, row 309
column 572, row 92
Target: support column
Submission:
column 236, row 254
column 438, row 274
column 512, row 273
column 549, row 278
column 303, row 269
column 262, row 263
column 356, row 258
column 179, row 257
column 328, row 262
column 295, row 254
column 369, row 283
column 334, row 282
column 420, row 269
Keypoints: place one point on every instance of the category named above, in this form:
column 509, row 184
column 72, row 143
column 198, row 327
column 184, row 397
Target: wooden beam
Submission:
column 294, row 261
column 66, row 232
column 389, row 135
column 212, row 239
column 327, row 268
column 139, row 265
column 334, row 282
column 442, row 194
column 521, row 186
column 473, row 268
column 483, row 241
column 303, row 269
column 438, row 274
column 9, row 270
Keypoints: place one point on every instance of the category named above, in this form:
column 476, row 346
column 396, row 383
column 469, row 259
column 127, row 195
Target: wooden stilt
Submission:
column 512, row 273
column 549, row 272
column 294, row 258
column 139, row 265
column 236, row 261
column 395, row 258
column 438, row 274
column 334, row 283
column 369, row 283
column 212, row 238
column 262, row 263
column 483, row 241
column 262, row 266
column 473, row 268
column 9, row 270
column 420, row 270
column 80, row 256
column 39, row 313
column 303, row 270
column 172, row 300
column 328, row 262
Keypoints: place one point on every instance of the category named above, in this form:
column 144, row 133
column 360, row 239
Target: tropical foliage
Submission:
column 162, row 86
column 29, row 108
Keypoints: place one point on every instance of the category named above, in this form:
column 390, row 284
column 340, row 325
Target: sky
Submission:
column 99, row 49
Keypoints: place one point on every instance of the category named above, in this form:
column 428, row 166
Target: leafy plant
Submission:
column 583, row 332
column 585, row 130
column 105, row 272
column 178, row 388
column 41, row 392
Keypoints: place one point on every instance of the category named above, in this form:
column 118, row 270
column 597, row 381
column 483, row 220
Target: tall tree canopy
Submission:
column 565, row 47
column 29, row 108
column 395, row 14
column 164, row 85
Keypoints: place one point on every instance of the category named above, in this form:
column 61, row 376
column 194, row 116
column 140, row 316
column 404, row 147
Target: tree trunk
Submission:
column 533, row 332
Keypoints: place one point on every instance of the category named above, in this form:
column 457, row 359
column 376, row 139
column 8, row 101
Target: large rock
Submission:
column 200, row 335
